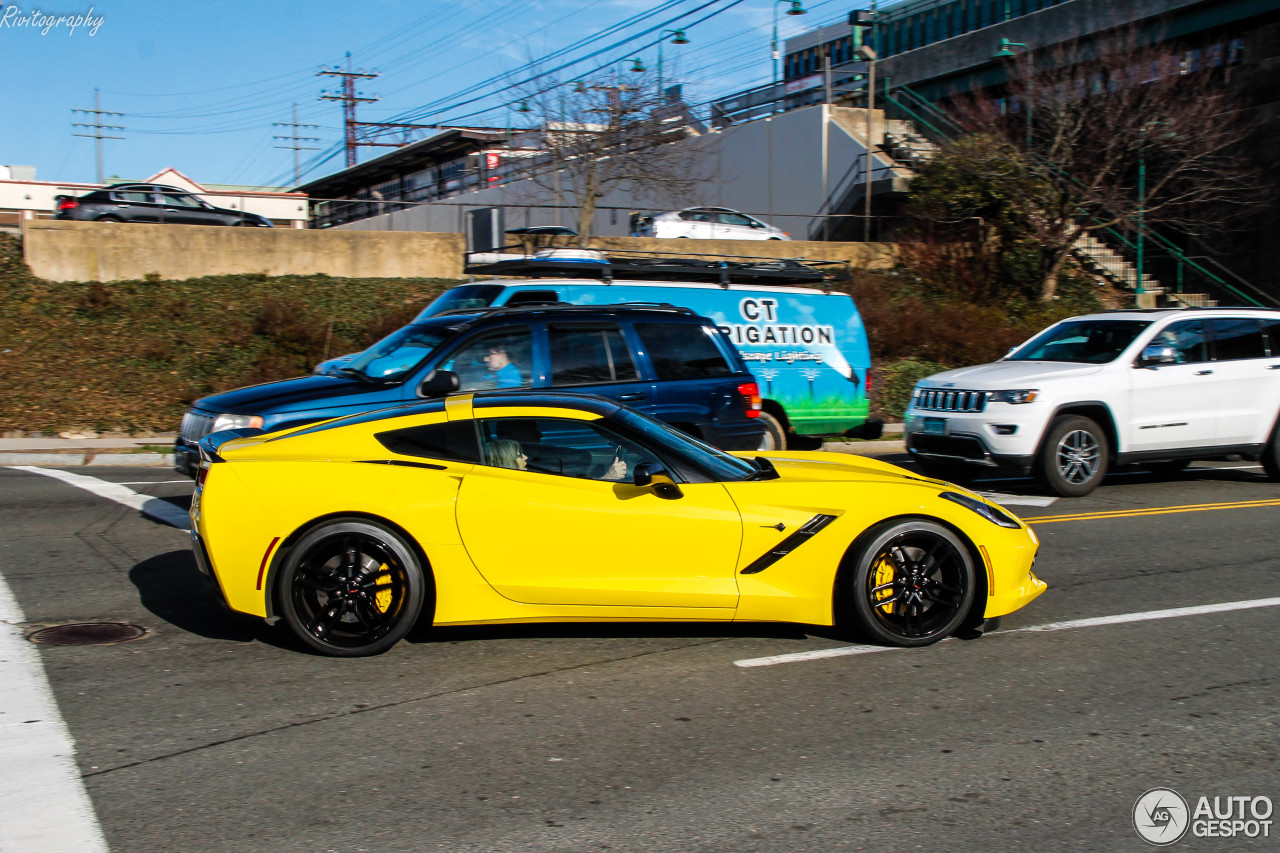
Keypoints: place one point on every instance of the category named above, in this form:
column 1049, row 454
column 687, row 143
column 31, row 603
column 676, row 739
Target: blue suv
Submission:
column 662, row 360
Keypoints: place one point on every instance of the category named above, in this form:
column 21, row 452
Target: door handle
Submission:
column 1203, row 372
column 1274, row 367
column 627, row 398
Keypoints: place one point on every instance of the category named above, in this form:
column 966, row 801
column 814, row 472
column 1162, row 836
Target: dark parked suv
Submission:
column 662, row 360
column 150, row 203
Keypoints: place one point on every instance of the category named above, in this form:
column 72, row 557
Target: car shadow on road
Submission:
column 425, row 633
column 173, row 589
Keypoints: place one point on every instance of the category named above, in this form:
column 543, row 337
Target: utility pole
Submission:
column 296, row 139
column 349, row 97
column 98, row 127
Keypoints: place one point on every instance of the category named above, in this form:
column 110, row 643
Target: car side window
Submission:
column 682, row 351
column 496, row 360
column 180, row 200
column 1236, row 338
column 1188, row 339
column 134, row 197
column 453, row 441
column 568, row 448
column 1272, row 330
column 736, row 219
column 589, row 354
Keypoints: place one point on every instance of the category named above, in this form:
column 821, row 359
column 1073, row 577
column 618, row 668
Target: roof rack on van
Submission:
column 564, row 308
column 591, row 263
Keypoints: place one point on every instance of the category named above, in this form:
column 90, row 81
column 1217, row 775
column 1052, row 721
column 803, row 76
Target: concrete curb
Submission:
column 74, row 460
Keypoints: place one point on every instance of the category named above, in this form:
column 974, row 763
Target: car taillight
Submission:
column 202, row 474
column 750, row 392
column 866, row 386
column 68, row 204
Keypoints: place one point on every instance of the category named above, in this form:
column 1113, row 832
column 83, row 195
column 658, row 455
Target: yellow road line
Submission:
column 1158, row 510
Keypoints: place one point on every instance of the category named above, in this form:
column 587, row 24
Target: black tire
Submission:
column 108, row 219
column 1168, row 468
column 1073, row 459
column 1271, row 454
column 775, row 437
column 913, row 583
column 351, row 588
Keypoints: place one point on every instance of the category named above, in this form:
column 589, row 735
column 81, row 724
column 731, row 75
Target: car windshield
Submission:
column 1084, row 341
column 398, row 353
column 464, row 296
column 716, row 464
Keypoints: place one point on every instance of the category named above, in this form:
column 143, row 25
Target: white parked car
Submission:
column 1160, row 388
column 708, row 223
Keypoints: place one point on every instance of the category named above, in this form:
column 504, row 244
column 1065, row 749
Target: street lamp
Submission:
column 797, row 8
column 1005, row 53
column 678, row 38
column 636, row 65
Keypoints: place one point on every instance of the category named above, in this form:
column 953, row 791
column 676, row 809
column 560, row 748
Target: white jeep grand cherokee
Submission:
column 1160, row 388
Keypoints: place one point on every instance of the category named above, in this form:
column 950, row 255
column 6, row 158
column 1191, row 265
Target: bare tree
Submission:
column 609, row 134
column 1110, row 134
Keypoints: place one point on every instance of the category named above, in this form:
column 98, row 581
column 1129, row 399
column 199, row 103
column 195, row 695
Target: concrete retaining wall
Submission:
column 104, row 251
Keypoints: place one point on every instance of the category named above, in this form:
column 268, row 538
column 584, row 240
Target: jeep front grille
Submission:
column 196, row 425
column 939, row 400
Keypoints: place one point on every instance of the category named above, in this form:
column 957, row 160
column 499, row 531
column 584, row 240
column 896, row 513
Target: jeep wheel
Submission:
column 1073, row 460
column 775, row 437
column 1271, row 454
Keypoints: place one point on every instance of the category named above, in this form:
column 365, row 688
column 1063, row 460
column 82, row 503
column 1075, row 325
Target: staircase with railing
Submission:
column 915, row 130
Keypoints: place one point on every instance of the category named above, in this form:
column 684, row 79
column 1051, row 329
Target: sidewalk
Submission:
column 54, row 452
column 153, row 452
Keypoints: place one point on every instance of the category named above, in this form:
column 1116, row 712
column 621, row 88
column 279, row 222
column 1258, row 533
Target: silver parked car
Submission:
column 708, row 223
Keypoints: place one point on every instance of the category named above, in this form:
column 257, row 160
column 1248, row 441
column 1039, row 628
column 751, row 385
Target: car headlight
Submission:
column 1023, row 396
column 222, row 422
column 983, row 509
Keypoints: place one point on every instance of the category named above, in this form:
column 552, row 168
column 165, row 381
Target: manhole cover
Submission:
column 87, row 634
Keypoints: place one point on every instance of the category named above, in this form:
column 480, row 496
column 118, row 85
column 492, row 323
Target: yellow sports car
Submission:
column 527, row 507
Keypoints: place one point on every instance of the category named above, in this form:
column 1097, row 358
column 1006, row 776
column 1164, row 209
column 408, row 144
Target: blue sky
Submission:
column 200, row 84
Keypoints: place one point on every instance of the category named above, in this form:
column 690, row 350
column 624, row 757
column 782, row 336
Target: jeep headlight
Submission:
column 222, row 422
column 982, row 508
column 1027, row 395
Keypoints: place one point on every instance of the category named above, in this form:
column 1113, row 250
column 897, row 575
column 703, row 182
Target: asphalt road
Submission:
column 217, row 733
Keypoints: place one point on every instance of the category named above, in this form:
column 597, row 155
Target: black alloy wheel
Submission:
column 913, row 583
column 351, row 588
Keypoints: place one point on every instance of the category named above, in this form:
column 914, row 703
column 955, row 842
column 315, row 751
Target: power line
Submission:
column 98, row 127
column 349, row 97
column 295, row 138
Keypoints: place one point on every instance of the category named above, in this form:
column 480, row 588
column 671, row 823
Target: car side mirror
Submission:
column 439, row 383
column 1157, row 354
column 658, row 478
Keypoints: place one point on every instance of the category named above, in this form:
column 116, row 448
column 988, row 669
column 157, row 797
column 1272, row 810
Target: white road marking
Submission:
column 1093, row 622
column 154, row 482
column 148, row 506
column 1019, row 500
column 43, row 804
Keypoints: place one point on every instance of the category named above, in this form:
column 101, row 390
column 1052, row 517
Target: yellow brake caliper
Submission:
column 884, row 574
column 382, row 598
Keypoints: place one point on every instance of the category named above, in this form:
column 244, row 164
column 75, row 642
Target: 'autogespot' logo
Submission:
column 1161, row 816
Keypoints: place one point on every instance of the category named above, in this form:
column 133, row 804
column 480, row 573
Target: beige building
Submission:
column 24, row 197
